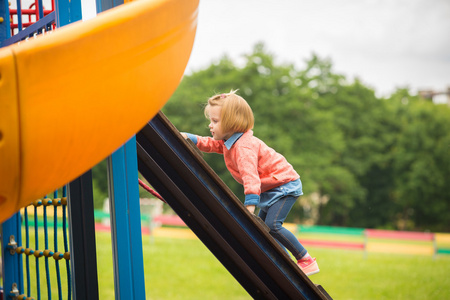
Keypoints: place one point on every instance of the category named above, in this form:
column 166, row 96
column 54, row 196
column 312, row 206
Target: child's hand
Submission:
column 184, row 135
column 251, row 208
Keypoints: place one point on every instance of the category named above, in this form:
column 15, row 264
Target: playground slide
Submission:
column 236, row 237
column 71, row 97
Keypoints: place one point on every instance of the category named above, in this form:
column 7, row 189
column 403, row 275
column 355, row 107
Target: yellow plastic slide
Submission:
column 71, row 97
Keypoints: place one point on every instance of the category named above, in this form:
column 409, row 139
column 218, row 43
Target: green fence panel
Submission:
column 443, row 251
column 330, row 230
column 98, row 214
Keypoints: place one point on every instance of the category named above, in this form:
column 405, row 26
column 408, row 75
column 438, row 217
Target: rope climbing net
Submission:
column 43, row 220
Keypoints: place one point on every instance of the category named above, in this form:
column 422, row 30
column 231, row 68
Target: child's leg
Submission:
column 274, row 218
column 263, row 215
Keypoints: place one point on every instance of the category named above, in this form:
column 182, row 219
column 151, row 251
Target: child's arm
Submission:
column 205, row 144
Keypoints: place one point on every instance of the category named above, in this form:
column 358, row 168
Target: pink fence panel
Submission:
column 399, row 235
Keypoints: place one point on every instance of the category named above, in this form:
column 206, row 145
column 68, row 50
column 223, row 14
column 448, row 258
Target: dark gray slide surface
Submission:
column 236, row 237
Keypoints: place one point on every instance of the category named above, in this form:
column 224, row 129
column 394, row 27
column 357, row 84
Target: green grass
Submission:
column 185, row 269
column 347, row 275
column 174, row 269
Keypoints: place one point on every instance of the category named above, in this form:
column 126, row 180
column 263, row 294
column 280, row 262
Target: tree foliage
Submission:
column 363, row 161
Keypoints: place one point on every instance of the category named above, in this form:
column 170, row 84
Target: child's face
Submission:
column 214, row 125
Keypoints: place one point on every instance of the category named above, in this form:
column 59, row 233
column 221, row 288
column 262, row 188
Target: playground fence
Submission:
column 333, row 237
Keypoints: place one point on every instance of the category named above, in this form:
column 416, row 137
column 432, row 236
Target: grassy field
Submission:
column 185, row 269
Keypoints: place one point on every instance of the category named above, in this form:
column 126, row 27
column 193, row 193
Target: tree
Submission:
column 422, row 164
column 363, row 161
column 286, row 119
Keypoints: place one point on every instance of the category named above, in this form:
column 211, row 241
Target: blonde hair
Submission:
column 236, row 115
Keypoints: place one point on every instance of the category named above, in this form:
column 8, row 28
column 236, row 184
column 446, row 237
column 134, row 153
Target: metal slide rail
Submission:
column 217, row 217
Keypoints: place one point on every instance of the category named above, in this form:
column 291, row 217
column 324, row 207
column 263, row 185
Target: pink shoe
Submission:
column 308, row 266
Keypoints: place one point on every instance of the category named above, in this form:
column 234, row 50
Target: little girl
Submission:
column 270, row 182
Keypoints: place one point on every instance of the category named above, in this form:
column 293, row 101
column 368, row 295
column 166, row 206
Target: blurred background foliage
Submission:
column 364, row 161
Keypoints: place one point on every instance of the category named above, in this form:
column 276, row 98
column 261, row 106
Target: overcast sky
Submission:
column 386, row 43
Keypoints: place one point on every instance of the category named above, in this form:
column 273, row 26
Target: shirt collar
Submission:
column 230, row 142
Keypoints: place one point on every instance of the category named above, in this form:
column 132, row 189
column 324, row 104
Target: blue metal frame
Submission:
column 103, row 5
column 41, row 9
column 125, row 212
column 67, row 11
column 122, row 171
column 82, row 238
column 5, row 26
column 126, row 223
column 19, row 15
column 44, row 23
column 13, row 265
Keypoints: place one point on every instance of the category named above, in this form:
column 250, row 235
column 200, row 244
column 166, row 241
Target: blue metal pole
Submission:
column 5, row 30
column 67, row 11
column 41, row 9
column 103, row 5
column 126, row 223
column 19, row 15
column 82, row 238
column 13, row 268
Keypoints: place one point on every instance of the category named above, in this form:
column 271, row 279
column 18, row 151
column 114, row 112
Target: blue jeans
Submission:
column 274, row 217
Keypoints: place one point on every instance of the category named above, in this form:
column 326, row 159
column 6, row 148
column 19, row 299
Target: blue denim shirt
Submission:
column 293, row 188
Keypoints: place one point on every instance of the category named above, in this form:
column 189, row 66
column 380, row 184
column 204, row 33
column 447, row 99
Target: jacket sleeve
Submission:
column 247, row 164
column 206, row 144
